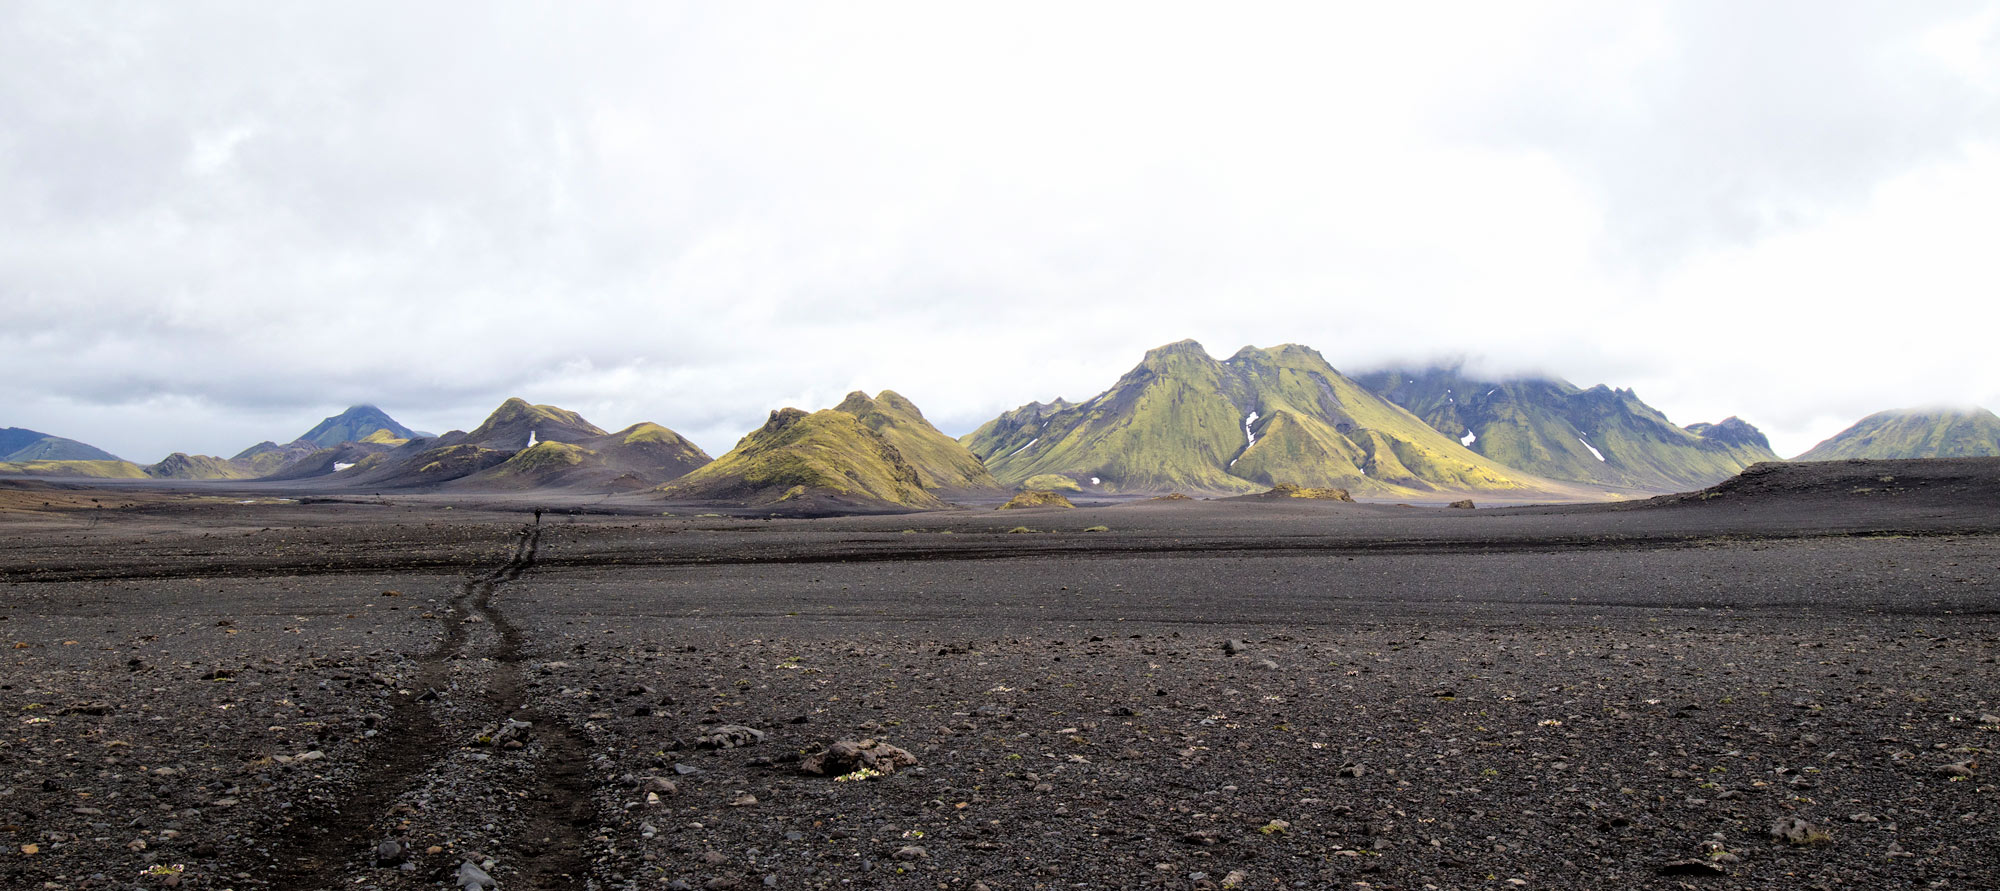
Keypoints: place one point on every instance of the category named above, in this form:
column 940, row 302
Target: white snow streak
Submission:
column 1024, row 448
column 531, row 440
column 1468, row 439
column 1592, row 448
column 340, row 467
column 1249, row 436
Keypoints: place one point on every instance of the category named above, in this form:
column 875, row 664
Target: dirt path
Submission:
column 548, row 845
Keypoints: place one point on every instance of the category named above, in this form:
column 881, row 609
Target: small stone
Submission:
column 1692, row 868
column 911, row 852
column 472, row 878
column 1234, row 647
column 1352, row 770
column 1203, row 838
column 1955, row 769
column 1267, row 665
column 729, row 736
column 1235, row 879
column 744, row 800
column 389, row 852
column 1793, row 830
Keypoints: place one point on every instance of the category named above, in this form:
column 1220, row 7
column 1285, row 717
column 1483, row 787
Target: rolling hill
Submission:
column 866, row 453
column 1914, row 433
column 1183, row 421
column 1551, row 428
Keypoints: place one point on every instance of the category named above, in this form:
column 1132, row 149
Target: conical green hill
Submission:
column 941, row 463
column 799, row 457
column 1914, row 433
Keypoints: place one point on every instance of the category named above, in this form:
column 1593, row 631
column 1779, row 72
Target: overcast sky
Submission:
column 224, row 221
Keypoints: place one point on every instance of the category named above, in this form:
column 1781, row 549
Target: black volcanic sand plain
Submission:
column 211, row 688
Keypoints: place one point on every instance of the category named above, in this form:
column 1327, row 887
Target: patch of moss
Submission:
column 384, row 436
column 109, row 470
column 1287, row 490
column 1052, row 482
column 1036, row 498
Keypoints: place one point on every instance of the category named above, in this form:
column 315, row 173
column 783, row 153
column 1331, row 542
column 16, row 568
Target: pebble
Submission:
column 911, row 852
column 472, row 878
column 1792, row 830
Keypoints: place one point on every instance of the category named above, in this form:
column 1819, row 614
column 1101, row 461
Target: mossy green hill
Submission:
column 1914, row 433
column 1183, row 421
column 828, row 458
column 868, row 452
column 1552, row 428
column 942, row 464
column 103, row 470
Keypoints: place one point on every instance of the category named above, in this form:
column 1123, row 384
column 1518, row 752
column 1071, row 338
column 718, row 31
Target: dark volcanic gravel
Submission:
column 1790, row 687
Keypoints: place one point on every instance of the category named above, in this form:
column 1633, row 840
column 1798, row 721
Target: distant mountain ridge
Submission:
column 1184, row 421
column 520, row 446
column 18, row 444
column 1552, row 428
column 1914, row 433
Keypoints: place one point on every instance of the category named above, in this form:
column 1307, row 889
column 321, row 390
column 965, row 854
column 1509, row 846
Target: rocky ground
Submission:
column 1762, row 689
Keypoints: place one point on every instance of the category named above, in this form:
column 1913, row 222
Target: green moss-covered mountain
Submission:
column 1914, row 433
column 942, row 464
column 519, row 446
column 357, row 424
column 1551, row 428
column 826, row 459
column 868, row 452
column 1182, row 421
column 22, row 445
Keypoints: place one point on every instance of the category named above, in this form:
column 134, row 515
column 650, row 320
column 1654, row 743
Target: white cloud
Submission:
column 227, row 223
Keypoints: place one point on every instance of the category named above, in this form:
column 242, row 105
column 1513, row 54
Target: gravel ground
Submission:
column 206, row 694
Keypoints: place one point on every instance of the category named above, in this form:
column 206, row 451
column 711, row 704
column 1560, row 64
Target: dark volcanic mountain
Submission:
column 866, row 453
column 357, row 424
column 524, row 446
column 19, row 444
column 1914, row 433
column 1552, row 428
column 1182, row 421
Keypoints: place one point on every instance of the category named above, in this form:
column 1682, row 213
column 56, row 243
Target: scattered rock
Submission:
column 1956, row 769
column 472, row 878
column 1234, row 647
column 911, row 852
column 847, row 756
column 729, row 736
column 1692, row 867
column 1352, row 770
column 1795, row 831
column 390, row 852
column 1462, row 504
